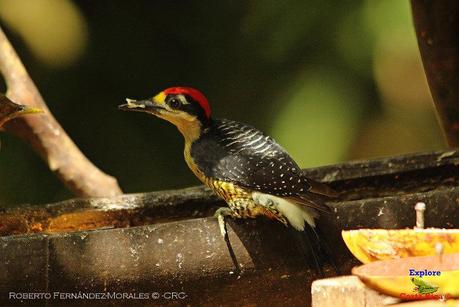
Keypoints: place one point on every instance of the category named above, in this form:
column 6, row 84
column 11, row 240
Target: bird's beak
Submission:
column 10, row 110
column 148, row 106
column 27, row 110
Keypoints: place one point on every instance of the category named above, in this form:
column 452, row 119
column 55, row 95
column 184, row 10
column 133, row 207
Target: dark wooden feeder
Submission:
column 167, row 242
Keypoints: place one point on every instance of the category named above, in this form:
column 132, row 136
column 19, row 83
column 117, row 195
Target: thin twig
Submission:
column 46, row 136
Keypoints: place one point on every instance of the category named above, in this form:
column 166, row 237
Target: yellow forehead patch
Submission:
column 160, row 98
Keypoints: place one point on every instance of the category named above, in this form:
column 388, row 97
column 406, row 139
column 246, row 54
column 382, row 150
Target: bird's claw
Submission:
column 222, row 225
column 220, row 215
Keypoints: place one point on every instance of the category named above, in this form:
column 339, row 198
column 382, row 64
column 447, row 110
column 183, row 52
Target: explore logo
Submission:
column 423, row 289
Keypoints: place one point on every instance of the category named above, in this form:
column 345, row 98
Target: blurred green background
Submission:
column 330, row 81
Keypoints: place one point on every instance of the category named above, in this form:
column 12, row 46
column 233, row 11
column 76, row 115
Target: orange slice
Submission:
column 370, row 245
column 398, row 277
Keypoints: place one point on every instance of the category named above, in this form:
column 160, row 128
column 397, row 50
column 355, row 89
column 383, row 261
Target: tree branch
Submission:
column 46, row 136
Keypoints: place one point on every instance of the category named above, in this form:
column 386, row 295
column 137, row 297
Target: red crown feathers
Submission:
column 194, row 93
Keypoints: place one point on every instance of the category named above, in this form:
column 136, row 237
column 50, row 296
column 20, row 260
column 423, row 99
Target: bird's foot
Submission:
column 220, row 215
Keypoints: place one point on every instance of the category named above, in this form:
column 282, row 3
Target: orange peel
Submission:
column 370, row 245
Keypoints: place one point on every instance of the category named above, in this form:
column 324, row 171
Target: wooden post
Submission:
column 437, row 30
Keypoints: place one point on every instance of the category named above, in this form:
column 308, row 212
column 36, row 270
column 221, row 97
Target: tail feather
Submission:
column 312, row 201
column 325, row 249
column 301, row 215
column 321, row 189
column 307, row 249
column 314, row 249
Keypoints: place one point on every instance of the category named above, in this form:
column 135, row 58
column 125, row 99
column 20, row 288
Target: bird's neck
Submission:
column 192, row 135
column 191, row 130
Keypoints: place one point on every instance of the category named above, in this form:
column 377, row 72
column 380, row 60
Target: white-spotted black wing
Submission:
column 241, row 154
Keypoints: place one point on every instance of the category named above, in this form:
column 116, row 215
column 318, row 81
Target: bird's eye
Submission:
column 174, row 103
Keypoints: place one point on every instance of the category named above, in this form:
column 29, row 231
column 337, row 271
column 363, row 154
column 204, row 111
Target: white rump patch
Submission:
column 295, row 214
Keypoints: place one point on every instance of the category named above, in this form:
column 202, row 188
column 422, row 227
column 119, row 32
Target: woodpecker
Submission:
column 242, row 165
column 10, row 110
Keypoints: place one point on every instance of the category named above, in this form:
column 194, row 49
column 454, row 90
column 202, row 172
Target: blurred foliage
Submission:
column 54, row 30
column 331, row 82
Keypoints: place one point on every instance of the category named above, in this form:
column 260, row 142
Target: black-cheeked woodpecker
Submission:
column 242, row 165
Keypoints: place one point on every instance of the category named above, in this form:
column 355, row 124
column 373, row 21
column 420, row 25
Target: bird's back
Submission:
column 239, row 153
